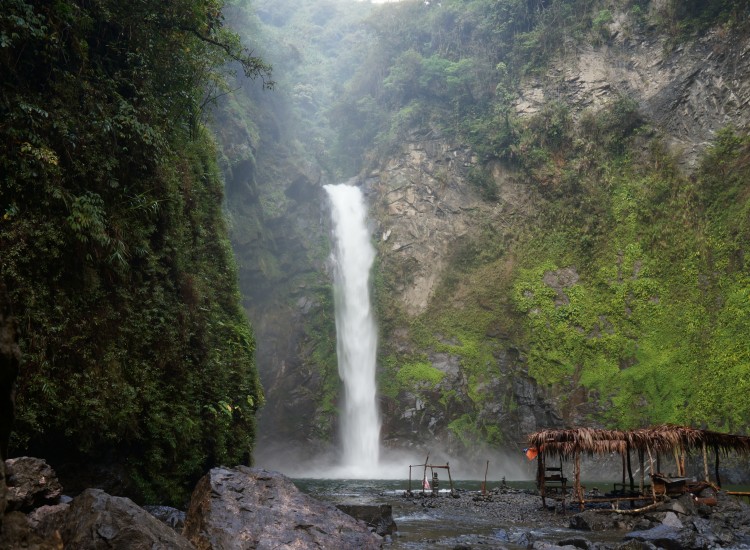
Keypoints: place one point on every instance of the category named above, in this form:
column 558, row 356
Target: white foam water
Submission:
column 356, row 332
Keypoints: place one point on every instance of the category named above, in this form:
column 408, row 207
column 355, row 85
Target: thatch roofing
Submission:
column 660, row 439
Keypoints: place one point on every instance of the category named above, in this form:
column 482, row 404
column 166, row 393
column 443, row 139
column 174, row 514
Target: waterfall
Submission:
column 356, row 334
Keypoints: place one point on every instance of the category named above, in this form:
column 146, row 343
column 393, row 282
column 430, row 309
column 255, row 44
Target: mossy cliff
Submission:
column 559, row 200
column 137, row 359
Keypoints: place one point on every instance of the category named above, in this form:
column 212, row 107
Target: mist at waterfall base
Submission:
column 359, row 454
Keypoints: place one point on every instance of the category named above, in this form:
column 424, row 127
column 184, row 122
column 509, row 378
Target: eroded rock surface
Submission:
column 98, row 521
column 31, row 483
column 245, row 508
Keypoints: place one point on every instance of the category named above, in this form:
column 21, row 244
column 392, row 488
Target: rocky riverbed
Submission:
column 247, row 508
column 508, row 518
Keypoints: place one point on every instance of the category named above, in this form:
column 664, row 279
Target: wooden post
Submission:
column 623, row 470
column 409, row 490
column 450, row 479
column 683, row 454
column 705, row 463
column 540, row 473
column 630, row 469
column 424, row 473
column 643, row 473
column 577, row 489
column 651, row 466
column 718, row 477
column 484, row 485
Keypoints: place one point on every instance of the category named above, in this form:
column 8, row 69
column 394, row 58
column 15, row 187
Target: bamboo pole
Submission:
column 630, row 469
column 651, row 466
column 705, row 463
column 484, row 485
column 683, row 454
column 578, row 492
column 540, row 472
column 718, row 477
column 643, row 473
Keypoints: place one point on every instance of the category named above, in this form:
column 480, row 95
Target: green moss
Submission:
column 419, row 375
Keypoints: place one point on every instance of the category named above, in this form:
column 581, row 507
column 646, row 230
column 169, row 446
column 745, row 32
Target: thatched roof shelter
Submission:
column 660, row 439
column 666, row 439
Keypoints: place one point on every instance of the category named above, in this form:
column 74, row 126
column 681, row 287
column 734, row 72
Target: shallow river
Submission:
column 460, row 523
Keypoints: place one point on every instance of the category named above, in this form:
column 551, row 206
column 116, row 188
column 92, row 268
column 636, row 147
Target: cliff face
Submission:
column 689, row 91
column 571, row 275
column 429, row 214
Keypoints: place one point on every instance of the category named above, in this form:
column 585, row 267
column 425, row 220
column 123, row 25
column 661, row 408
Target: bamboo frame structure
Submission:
column 432, row 468
column 651, row 442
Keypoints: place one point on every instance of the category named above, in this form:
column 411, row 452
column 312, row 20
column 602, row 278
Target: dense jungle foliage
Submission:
column 652, row 328
column 136, row 351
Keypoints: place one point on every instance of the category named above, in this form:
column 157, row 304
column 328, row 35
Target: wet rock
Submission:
column 671, row 520
column 98, row 521
column 664, row 536
column 47, row 520
column 378, row 517
column 31, row 483
column 636, row 545
column 592, row 521
column 577, row 542
column 18, row 533
column 254, row 508
column 166, row 514
column 683, row 505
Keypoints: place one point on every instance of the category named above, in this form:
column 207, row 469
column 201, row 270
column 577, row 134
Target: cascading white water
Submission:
column 356, row 332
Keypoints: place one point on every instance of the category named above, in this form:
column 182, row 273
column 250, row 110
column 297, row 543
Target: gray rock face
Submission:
column 98, row 521
column 592, row 521
column 664, row 536
column 378, row 517
column 31, row 483
column 166, row 514
column 243, row 508
column 690, row 91
column 18, row 533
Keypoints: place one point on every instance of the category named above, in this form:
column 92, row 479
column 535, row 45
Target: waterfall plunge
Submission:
column 356, row 334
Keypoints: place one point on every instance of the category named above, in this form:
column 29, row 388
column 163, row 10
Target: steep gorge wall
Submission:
column 431, row 219
column 455, row 347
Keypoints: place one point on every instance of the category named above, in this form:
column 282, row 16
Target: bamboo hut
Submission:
column 654, row 442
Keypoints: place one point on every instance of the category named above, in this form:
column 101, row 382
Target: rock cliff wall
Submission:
column 452, row 365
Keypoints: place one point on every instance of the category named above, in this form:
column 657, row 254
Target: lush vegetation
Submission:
column 621, row 296
column 115, row 249
column 648, row 329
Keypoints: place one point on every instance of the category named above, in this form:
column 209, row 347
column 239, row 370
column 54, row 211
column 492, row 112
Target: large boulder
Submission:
column 17, row 532
column 31, row 483
column 98, row 521
column 244, row 508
